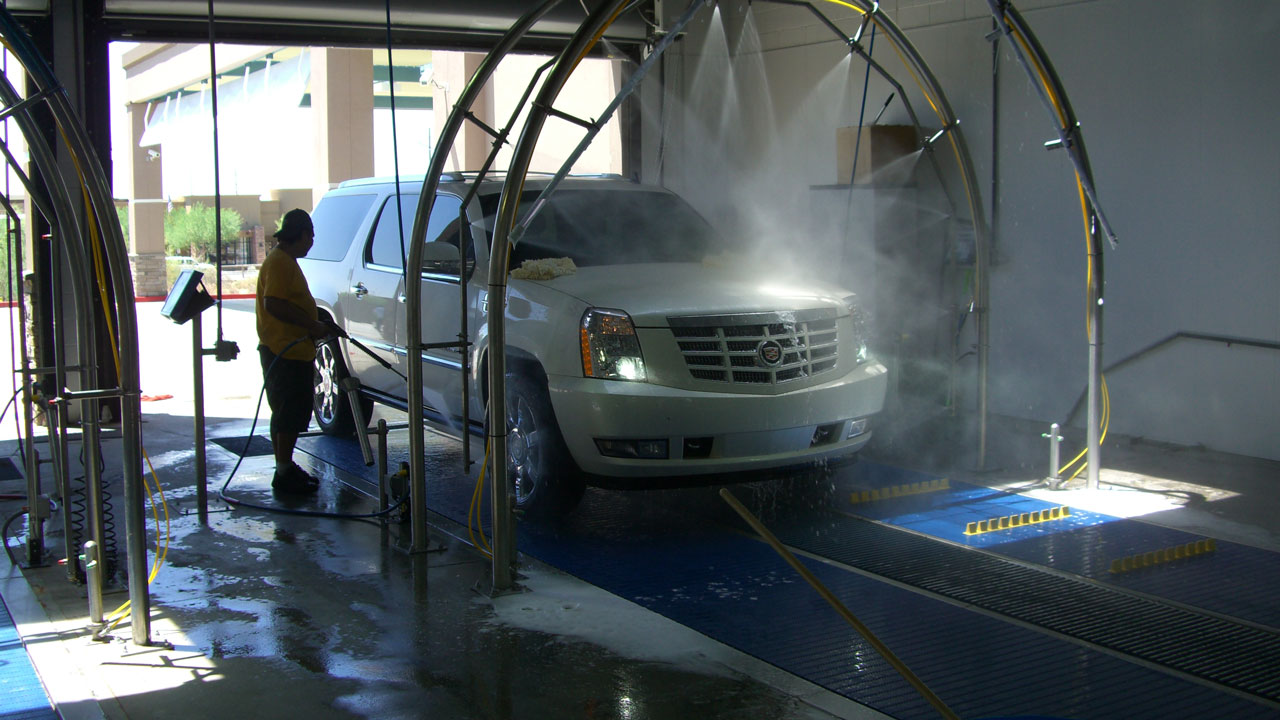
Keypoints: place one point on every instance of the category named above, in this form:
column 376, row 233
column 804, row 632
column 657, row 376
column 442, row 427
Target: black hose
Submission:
column 236, row 502
column 5, row 535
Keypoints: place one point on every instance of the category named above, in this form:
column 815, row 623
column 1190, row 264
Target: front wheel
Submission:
column 330, row 405
column 547, row 481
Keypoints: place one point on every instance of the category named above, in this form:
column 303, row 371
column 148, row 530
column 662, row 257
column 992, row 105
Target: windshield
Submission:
column 611, row 227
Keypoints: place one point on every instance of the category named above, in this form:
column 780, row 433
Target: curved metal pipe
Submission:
column 98, row 196
column 499, row 255
column 68, row 240
column 951, row 124
column 1054, row 97
column 413, row 280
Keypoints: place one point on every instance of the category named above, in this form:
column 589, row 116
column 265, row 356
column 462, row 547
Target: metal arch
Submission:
column 916, row 65
column 591, row 29
column 96, row 192
column 60, row 211
column 982, row 241
column 413, row 285
column 499, row 255
column 1046, row 82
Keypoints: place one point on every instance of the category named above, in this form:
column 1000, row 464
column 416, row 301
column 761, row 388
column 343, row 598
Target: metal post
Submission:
column 464, row 346
column 413, row 283
column 56, row 421
column 93, row 571
column 1055, row 462
column 91, row 447
column 95, row 188
column 197, row 381
column 35, row 503
column 382, row 464
column 1094, row 446
column 351, row 386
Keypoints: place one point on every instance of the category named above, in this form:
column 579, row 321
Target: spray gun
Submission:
column 883, row 108
column 351, row 387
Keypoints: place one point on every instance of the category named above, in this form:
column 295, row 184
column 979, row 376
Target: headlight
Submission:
column 610, row 348
column 861, row 329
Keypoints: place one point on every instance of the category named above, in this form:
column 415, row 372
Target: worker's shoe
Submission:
column 311, row 480
column 293, row 481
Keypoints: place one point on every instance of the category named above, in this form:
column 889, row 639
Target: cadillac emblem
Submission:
column 770, row 353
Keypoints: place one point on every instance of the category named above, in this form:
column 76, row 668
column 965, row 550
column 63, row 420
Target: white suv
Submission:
column 649, row 356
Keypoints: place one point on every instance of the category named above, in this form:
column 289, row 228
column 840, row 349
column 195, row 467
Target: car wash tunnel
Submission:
column 754, row 363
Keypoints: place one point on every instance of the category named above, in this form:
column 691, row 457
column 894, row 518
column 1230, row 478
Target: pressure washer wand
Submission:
column 378, row 359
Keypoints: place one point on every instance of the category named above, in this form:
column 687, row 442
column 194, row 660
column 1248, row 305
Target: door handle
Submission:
column 359, row 290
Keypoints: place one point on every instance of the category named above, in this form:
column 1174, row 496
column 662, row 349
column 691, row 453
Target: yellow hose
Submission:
column 473, row 512
column 1090, row 300
column 162, row 549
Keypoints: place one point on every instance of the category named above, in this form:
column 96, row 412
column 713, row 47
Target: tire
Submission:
column 547, row 481
column 330, row 406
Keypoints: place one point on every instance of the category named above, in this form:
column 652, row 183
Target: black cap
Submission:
column 295, row 222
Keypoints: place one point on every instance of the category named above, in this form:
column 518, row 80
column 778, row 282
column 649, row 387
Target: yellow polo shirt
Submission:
column 280, row 277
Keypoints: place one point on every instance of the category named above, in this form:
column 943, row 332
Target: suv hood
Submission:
column 650, row 293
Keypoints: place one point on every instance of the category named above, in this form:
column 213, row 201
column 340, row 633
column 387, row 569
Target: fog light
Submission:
column 856, row 428
column 639, row 449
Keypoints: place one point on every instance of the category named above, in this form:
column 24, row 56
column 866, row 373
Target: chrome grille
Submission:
column 739, row 348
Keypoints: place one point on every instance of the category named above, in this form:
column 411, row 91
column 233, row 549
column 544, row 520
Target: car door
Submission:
column 375, row 299
column 442, row 306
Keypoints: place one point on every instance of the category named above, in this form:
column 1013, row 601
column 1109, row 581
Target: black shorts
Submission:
column 290, row 389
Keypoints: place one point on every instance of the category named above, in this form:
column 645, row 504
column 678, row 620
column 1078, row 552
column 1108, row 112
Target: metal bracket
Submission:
column 588, row 124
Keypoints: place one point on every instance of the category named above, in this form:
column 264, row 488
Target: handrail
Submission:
column 1227, row 340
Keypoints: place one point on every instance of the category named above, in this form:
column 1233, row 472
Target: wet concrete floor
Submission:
column 272, row 615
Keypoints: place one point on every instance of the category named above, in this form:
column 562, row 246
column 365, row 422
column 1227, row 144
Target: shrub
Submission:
column 190, row 231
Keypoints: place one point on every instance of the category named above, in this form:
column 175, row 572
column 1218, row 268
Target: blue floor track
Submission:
column 681, row 554
column 22, row 697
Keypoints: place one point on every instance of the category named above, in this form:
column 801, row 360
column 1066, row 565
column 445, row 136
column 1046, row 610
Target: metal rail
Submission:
column 1035, row 61
column 950, row 127
column 1131, row 358
column 99, row 233
column 413, row 283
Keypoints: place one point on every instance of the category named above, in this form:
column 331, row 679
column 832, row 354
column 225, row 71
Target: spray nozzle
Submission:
column 938, row 135
column 225, row 351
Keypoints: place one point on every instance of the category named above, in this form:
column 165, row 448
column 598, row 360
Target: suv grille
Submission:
column 758, row 348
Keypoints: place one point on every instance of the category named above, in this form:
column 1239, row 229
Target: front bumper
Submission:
column 746, row 432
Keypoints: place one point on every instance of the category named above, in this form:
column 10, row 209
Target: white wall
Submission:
column 1178, row 106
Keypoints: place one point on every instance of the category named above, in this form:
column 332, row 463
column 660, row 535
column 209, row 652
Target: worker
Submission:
column 289, row 325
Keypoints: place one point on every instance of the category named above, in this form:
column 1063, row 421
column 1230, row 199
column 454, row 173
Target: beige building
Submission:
column 294, row 122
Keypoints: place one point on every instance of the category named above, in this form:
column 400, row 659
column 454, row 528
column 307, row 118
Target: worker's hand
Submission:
column 333, row 328
column 318, row 330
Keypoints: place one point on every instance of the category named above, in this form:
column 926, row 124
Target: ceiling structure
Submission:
column 461, row 24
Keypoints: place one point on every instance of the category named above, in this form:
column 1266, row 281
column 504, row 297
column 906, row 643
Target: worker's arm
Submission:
column 287, row 312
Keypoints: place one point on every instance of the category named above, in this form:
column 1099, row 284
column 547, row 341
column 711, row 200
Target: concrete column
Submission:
column 451, row 71
column 342, row 104
column 270, row 212
column 146, row 210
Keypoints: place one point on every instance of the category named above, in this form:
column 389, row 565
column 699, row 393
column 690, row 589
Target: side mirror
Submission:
column 439, row 258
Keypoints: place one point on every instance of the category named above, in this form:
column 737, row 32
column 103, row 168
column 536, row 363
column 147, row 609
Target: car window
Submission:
column 385, row 247
column 336, row 220
column 610, row 227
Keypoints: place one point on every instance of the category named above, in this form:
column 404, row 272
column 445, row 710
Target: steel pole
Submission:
column 96, row 188
column 413, row 281
column 197, row 386
column 504, row 549
column 981, row 292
